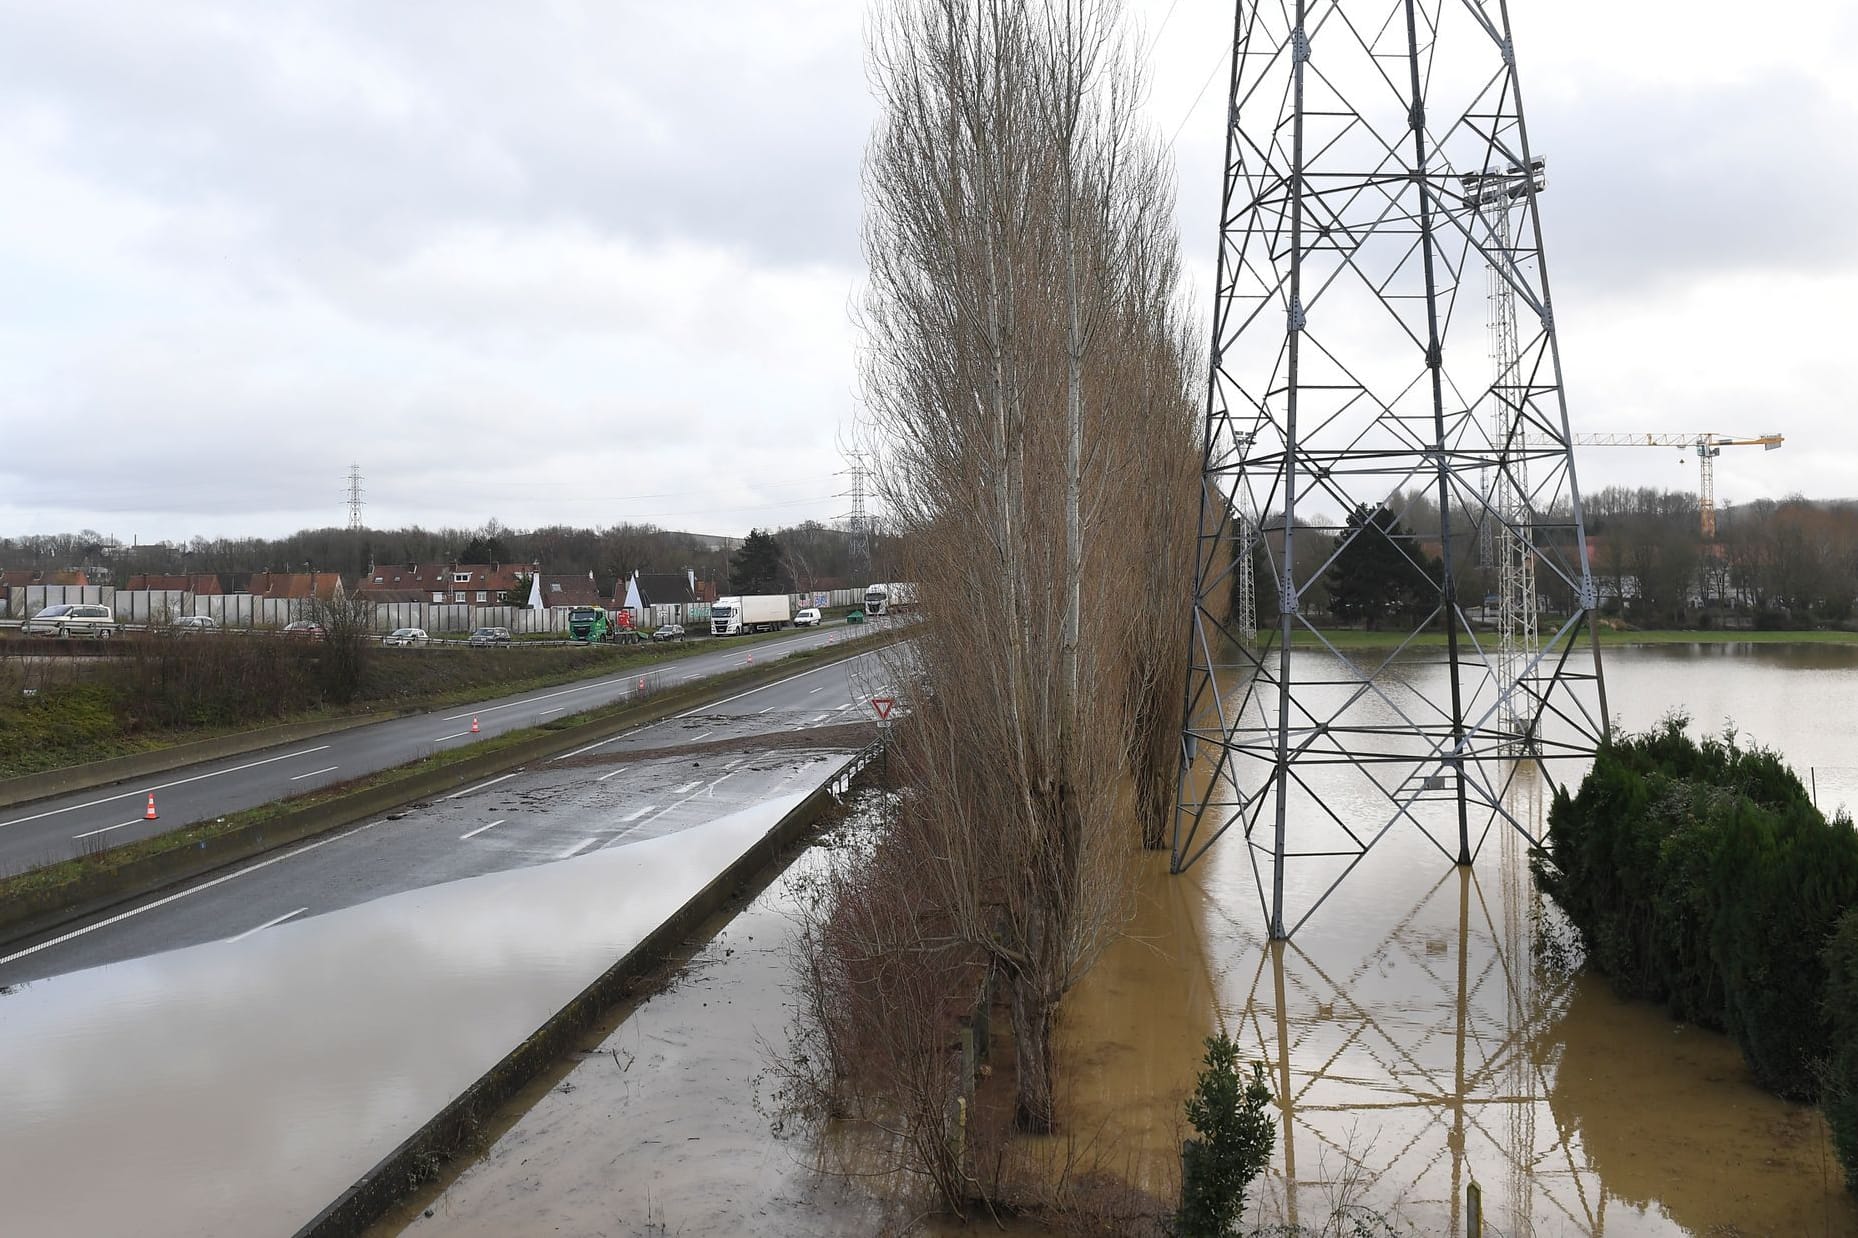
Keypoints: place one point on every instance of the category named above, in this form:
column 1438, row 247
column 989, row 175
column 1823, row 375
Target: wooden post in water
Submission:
column 1473, row 1210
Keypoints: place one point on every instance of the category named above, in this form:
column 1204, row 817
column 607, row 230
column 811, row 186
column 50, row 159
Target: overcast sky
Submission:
column 583, row 262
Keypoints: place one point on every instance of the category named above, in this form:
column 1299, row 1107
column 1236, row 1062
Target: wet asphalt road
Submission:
column 532, row 816
column 50, row 830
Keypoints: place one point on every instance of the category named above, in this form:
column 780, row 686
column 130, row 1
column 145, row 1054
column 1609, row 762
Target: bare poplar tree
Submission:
column 1026, row 373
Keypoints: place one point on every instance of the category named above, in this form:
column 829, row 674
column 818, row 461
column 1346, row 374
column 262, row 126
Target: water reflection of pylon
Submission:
column 1423, row 1077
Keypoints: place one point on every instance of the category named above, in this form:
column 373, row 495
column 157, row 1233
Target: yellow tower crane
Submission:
column 1707, row 447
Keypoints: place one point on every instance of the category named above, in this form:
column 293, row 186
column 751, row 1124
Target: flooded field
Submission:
column 1417, row 1042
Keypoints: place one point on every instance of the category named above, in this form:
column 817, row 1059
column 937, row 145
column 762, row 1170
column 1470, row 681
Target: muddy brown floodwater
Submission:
column 1416, row 1040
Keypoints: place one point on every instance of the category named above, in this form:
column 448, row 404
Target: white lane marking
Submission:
column 822, row 687
column 480, row 786
column 694, row 738
column 768, row 710
column 557, row 709
column 830, row 666
column 628, row 820
column 577, row 848
column 187, row 893
column 613, row 774
column 480, row 829
column 686, row 787
column 662, row 811
column 536, row 700
column 178, row 782
column 811, row 721
column 441, row 739
column 847, row 705
column 267, row 924
column 601, row 683
column 105, row 830
column 612, row 739
column 330, row 769
column 734, row 763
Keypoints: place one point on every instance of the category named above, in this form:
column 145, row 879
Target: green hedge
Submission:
column 1701, row 876
column 1840, row 1097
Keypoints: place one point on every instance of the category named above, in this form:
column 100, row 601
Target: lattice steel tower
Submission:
column 1358, row 441
column 354, row 496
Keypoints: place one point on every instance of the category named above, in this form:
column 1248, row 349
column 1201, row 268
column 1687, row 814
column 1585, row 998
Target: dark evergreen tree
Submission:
column 482, row 549
column 757, row 566
column 1381, row 573
column 1231, row 1116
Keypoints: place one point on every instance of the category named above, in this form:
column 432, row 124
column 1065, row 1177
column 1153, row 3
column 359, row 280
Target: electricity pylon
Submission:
column 1347, row 429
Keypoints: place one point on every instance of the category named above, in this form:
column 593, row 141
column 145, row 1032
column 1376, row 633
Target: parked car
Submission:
column 668, row 631
column 808, row 618
column 854, row 615
column 194, row 625
column 405, row 638
column 305, row 629
column 489, row 636
column 72, row 619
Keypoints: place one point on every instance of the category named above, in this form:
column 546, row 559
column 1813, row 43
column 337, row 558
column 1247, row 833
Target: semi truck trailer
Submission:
column 881, row 599
column 755, row 612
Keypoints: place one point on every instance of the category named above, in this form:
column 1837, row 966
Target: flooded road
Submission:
column 235, row 1088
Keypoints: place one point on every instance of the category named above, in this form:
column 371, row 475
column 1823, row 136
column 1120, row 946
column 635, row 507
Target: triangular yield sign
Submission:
column 883, row 705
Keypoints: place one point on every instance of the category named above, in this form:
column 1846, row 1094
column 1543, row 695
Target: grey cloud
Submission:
column 1648, row 186
column 636, row 120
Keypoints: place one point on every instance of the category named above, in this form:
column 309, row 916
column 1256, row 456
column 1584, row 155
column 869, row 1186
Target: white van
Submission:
column 72, row 619
column 808, row 618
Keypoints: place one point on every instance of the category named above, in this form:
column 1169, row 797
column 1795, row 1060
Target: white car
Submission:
column 808, row 618
column 71, row 619
column 405, row 638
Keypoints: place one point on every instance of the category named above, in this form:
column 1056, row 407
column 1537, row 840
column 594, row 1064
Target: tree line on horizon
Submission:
column 806, row 555
column 1779, row 564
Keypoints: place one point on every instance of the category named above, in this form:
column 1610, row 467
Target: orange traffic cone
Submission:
column 151, row 814
column 641, row 683
column 474, row 726
column 751, row 659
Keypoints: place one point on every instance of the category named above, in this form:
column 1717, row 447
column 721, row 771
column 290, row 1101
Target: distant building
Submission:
column 197, row 583
column 570, row 590
column 659, row 597
column 26, row 577
column 294, row 585
column 481, row 584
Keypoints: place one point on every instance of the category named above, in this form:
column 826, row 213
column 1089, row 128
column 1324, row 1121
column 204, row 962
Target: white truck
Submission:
column 881, row 599
column 755, row 612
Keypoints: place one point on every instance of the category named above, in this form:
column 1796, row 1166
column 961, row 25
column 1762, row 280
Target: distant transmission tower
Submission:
column 859, row 529
column 1376, row 164
column 354, row 496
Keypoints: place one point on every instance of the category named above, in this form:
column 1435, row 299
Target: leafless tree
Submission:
column 1026, row 375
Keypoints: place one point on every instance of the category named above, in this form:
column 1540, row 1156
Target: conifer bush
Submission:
column 1700, row 875
column 1840, row 1096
